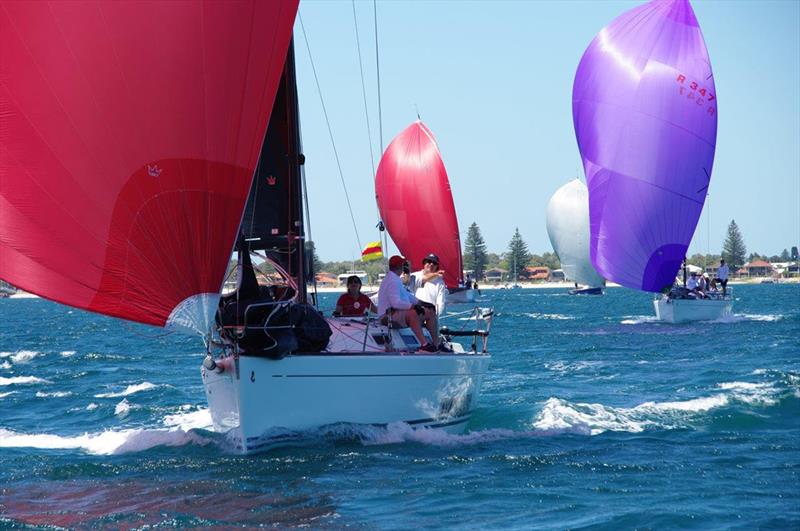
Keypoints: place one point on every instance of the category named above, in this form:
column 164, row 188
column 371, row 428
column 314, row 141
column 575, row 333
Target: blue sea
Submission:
column 592, row 416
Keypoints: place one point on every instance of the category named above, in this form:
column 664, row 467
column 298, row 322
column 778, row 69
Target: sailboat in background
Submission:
column 129, row 177
column 514, row 276
column 568, row 229
column 645, row 115
column 416, row 205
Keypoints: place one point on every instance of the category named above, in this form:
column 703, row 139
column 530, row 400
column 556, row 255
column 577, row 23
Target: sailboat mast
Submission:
column 684, row 271
column 296, row 159
column 273, row 219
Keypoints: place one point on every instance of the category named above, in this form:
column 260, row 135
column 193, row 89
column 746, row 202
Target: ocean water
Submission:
column 592, row 416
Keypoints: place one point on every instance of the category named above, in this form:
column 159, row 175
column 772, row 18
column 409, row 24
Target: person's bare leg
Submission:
column 432, row 324
column 412, row 320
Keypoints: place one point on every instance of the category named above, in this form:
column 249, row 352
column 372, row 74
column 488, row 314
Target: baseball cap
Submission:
column 397, row 260
column 431, row 258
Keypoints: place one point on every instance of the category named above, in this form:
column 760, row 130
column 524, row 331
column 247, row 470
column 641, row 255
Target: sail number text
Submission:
column 695, row 92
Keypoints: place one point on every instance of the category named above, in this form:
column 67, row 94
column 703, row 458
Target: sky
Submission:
column 493, row 82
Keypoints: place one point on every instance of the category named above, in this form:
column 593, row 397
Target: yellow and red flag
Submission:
column 373, row 251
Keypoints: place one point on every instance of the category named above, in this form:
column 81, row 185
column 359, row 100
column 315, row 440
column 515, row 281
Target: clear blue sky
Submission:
column 493, row 81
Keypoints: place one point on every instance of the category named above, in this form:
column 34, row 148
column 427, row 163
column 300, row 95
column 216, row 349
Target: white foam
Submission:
column 131, row 389
column 561, row 415
column 55, row 394
column 24, row 356
column 3, row 395
column 200, row 419
column 695, row 405
column 551, row 316
column 587, row 419
column 21, row 356
column 21, row 380
column 5, row 365
column 103, row 443
column 91, row 407
column 68, row 353
column 640, row 319
column 564, row 367
column 740, row 317
column 123, row 408
column 740, row 385
column 764, row 394
column 399, row 432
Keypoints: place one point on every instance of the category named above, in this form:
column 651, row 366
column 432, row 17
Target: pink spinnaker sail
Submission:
column 129, row 133
column 415, row 201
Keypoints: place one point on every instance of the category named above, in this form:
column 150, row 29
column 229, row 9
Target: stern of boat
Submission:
column 461, row 295
column 688, row 310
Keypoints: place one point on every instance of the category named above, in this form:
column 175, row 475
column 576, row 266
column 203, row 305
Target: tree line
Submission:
column 476, row 258
column 734, row 251
column 517, row 257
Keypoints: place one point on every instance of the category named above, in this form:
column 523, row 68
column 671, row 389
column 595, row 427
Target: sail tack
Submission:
column 645, row 115
column 415, row 202
column 129, row 133
column 568, row 228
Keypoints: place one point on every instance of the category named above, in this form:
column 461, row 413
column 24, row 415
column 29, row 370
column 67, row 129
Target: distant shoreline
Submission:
column 563, row 285
column 497, row 286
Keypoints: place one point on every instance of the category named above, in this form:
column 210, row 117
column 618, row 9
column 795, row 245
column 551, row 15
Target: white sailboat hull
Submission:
column 264, row 400
column 461, row 295
column 686, row 310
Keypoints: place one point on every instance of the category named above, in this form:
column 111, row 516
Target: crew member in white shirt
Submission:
column 722, row 276
column 403, row 308
column 694, row 284
column 428, row 286
column 429, row 283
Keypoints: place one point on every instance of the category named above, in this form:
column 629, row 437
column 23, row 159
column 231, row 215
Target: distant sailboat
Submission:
column 645, row 115
column 416, row 205
column 568, row 229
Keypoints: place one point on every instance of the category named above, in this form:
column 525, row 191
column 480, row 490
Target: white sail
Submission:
column 568, row 228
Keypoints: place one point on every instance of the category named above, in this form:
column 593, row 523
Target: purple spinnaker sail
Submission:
column 645, row 113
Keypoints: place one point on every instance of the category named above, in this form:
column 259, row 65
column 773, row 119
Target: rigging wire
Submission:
column 330, row 132
column 708, row 229
column 369, row 129
column 307, row 237
column 364, row 90
column 378, row 70
column 380, row 117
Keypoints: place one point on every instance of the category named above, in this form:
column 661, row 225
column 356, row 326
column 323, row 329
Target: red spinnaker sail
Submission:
column 129, row 133
column 415, row 202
